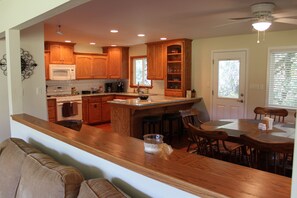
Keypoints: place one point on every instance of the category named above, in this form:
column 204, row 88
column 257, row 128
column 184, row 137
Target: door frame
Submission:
column 246, row 77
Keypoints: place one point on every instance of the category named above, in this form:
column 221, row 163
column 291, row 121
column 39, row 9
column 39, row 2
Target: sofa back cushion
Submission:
column 13, row 151
column 102, row 188
column 42, row 176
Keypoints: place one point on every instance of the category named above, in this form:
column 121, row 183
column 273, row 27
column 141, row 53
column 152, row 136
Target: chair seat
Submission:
column 231, row 146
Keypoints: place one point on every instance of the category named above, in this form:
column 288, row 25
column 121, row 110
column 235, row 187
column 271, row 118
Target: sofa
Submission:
column 28, row 173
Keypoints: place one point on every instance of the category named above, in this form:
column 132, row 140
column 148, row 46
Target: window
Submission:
column 138, row 66
column 282, row 78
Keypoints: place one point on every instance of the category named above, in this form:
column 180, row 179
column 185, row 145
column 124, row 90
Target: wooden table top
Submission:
column 199, row 175
column 281, row 132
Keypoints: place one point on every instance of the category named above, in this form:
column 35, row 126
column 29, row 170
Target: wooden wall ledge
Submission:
column 195, row 174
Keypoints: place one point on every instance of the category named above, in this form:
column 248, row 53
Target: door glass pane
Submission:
column 228, row 83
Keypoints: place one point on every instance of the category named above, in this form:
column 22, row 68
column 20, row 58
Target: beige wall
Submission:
column 256, row 63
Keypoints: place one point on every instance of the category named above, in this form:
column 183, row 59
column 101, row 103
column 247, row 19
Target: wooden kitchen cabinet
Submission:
column 46, row 64
column 118, row 58
column 94, row 111
column 60, row 53
column 52, row 110
column 156, row 61
column 178, row 67
column 106, row 114
column 91, row 66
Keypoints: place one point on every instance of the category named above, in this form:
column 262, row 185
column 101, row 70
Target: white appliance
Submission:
column 72, row 100
column 62, row 72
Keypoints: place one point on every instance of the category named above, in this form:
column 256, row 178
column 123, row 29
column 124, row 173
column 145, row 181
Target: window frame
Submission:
column 271, row 50
column 132, row 85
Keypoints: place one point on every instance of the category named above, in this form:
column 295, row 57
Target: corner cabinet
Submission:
column 156, row 61
column 60, row 53
column 91, row 66
column 118, row 58
column 178, row 67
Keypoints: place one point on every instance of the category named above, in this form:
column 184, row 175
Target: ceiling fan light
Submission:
column 261, row 26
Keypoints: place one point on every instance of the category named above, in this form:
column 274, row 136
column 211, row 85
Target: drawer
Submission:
column 94, row 99
column 107, row 98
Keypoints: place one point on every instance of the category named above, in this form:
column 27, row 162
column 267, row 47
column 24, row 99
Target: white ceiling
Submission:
column 91, row 22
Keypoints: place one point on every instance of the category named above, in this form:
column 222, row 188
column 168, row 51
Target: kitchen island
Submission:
column 127, row 115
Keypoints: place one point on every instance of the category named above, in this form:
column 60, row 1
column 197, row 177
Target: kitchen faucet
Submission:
column 138, row 89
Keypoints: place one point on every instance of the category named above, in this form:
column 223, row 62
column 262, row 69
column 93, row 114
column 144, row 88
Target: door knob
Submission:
column 240, row 101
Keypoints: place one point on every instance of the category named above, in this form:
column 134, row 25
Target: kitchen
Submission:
column 205, row 42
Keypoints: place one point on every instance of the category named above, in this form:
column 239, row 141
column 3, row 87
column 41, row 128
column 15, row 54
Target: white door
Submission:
column 228, row 84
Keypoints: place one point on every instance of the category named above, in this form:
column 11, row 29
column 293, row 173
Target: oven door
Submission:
column 70, row 110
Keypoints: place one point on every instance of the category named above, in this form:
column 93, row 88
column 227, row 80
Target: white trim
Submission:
column 271, row 49
column 246, row 77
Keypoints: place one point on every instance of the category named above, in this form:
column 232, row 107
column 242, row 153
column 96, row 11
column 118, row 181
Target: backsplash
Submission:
column 158, row 85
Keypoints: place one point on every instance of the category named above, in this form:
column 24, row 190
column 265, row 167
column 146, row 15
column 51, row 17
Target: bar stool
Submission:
column 151, row 122
column 171, row 118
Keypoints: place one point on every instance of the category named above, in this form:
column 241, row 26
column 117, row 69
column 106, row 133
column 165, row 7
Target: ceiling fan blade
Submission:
column 241, row 18
column 232, row 23
column 284, row 14
column 286, row 20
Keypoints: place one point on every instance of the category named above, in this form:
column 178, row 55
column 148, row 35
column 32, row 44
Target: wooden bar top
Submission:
column 199, row 175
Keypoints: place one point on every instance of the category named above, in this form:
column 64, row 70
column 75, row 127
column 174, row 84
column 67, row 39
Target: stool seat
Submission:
column 170, row 118
column 151, row 122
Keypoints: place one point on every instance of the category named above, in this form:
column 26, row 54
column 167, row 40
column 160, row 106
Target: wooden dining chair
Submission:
column 272, row 157
column 190, row 116
column 260, row 112
column 277, row 114
column 214, row 144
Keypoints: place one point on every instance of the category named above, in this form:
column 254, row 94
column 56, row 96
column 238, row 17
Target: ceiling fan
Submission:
column 263, row 16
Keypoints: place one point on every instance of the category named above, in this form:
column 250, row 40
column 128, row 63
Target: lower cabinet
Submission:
column 96, row 109
column 52, row 110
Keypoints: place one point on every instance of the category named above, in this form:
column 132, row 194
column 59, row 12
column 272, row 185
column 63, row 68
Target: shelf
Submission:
column 175, row 61
column 174, row 73
column 173, row 54
column 174, row 81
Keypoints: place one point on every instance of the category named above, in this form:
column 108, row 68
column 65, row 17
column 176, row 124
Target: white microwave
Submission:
column 62, row 72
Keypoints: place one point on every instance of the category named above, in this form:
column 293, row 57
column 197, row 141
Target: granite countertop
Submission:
column 107, row 94
column 153, row 100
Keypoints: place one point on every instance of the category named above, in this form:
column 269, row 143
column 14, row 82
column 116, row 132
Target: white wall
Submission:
column 4, row 116
column 34, row 96
column 256, row 68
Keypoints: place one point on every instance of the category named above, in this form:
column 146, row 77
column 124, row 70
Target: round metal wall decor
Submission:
column 27, row 64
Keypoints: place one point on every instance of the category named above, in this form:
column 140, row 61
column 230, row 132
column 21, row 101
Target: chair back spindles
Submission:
column 277, row 114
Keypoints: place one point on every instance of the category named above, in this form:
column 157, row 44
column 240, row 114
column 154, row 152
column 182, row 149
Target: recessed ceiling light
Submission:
column 67, row 41
column 113, row 45
column 114, row 31
column 92, row 43
column 141, row 35
column 163, row 38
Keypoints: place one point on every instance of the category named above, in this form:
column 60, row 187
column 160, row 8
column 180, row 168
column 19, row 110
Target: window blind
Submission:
column 282, row 78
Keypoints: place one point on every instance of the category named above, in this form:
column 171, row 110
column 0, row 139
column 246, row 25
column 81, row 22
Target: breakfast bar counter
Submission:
column 127, row 115
column 201, row 176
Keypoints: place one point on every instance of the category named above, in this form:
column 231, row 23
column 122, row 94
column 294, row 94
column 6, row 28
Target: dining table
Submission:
column 281, row 132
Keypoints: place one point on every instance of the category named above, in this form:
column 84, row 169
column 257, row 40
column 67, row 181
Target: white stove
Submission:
column 69, row 107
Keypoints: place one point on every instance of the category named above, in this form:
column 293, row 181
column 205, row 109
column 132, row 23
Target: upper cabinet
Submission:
column 171, row 61
column 60, row 53
column 178, row 67
column 90, row 66
column 117, row 62
column 155, row 60
column 46, row 62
